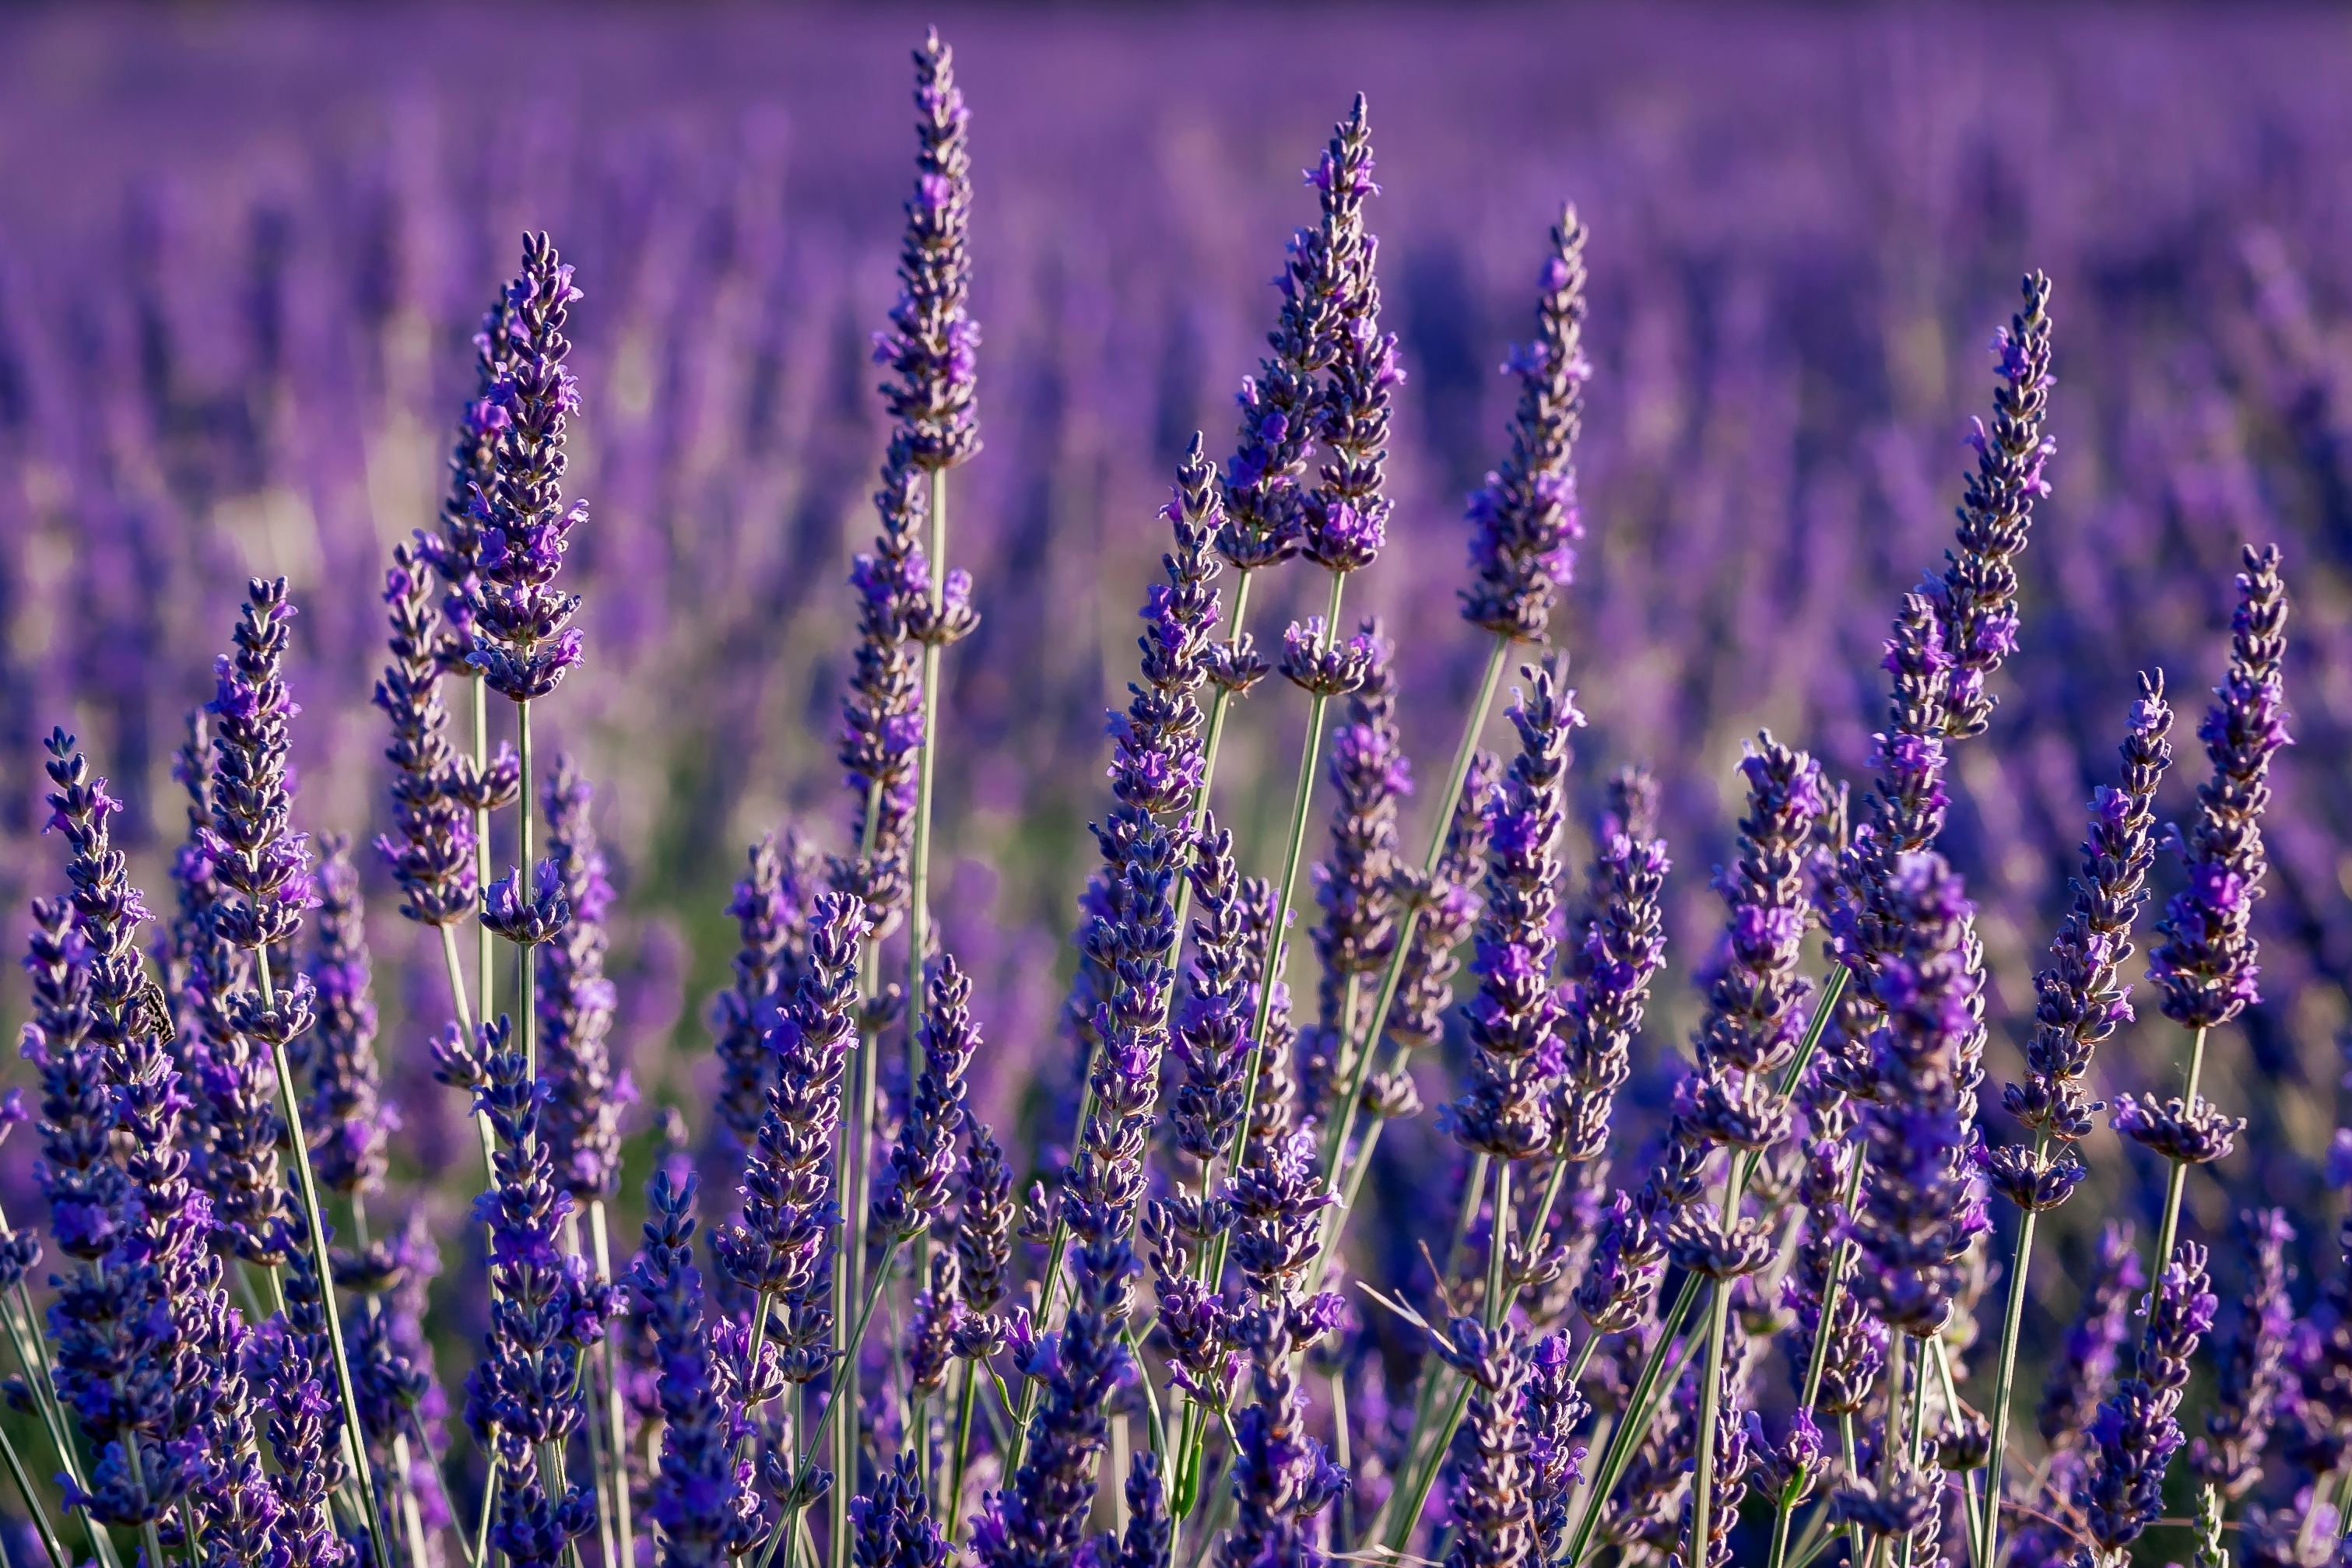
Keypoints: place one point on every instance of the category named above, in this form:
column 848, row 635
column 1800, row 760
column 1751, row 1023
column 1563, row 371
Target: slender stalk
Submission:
column 2005, row 1375
column 1473, row 724
column 918, row 883
column 32, row 1354
column 482, row 1520
column 615, row 1406
column 482, row 846
column 1710, row 1390
column 831, row 1397
column 1897, row 1345
column 1498, row 1246
column 1952, row 1409
column 2170, row 1231
column 412, row 1518
column 316, row 1217
column 952, row 1504
column 41, row 1516
column 466, row 1021
column 526, row 972
column 1640, row 1410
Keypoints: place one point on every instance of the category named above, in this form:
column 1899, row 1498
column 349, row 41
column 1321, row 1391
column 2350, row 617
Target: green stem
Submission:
column 919, row 881
column 2005, row 1375
column 1710, row 1391
column 41, row 1516
column 32, row 1354
column 1640, row 1409
column 1473, row 724
column 1952, row 1412
column 1498, row 1245
column 482, row 847
column 526, row 975
column 316, row 1217
column 953, row 1501
column 615, row 1406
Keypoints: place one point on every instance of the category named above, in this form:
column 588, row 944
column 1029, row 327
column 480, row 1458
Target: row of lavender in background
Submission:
column 1266, row 854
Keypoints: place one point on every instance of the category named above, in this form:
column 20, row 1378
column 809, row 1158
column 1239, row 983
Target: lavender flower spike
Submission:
column 932, row 346
column 2205, row 967
column 1493, row 1518
column 770, row 909
column 431, row 851
column 1524, row 520
column 523, row 637
column 2087, row 1355
column 1345, row 518
column 575, row 1002
column 346, row 1121
column 1625, row 945
column 923, row 1164
column 2136, row 1431
column 2229, row 1459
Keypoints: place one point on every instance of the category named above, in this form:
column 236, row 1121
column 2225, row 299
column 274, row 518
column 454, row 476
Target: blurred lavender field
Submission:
column 240, row 253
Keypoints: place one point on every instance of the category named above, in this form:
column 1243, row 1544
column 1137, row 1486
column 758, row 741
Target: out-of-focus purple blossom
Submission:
column 923, row 1162
column 770, row 907
column 1450, row 908
column 2080, row 997
column 1524, row 520
column 1503, row 1110
column 1918, row 1214
column 709, row 1513
column 345, row 1120
column 431, row 848
column 523, row 637
column 1358, row 886
column 2205, row 965
column 788, row 1209
column 2230, row 1456
column 2136, row 1431
column 1625, row 943
column 575, row 1002
column 932, row 346
column 2086, row 1359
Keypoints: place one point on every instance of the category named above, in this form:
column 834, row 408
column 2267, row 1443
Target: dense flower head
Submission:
column 1494, row 1523
column 770, row 908
column 1344, row 519
column 1504, row 1111
column 1976, row 597
column 1918, row 1211
column 575, row 1002
column 1524, row 520
column 1157, row 764
column 453, row 550
column 524, row 641
column 881, row 712
column 2137, row 1430
column 2205, row 965
column 708, row 1511
column 345, row 1119
column 1211, row 1039
column 2081, row 997
column 1281, row 1478
column 923, row 1162
column 789, row 1207
column 1553, row 1410
column 932, row 346
column 255, row 855
column 2254, row 1360
column 431, row 849
column 1622, row 946
column 1327, row 288
column 983, row 1230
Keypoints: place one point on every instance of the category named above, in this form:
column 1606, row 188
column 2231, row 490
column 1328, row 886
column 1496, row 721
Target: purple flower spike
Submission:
column 2081, row 995
column 1504, row 1111
column 709, row 1515
column 2205, row 965
column 923, row 1164
column 2086, row 1357
column 1327, row 289
column 2253, row 1366
column 881, row 714
column 770, row 907
column 1623, row 945
column 346, row 1121
column 575, row 1003
column 1553, row 1411
column 523, row 637
column 1524, row 521
column 455, row 551
column 1978, row 596
column 431, row 849
column 932, row 346
column 1281, row 1478
column 1491, row 1509
column 266, row 867
column 2136, row 1432
column 1917, row 1213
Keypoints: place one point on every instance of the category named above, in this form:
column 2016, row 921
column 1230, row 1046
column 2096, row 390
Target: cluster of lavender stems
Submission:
column 1820, row 1186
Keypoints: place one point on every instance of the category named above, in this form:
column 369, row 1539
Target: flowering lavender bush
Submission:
column 1421, row 1239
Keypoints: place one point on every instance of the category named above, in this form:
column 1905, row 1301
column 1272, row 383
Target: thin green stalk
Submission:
column 41, row 1516
column 1897, row 1368
column 482, row 847
column 807, row 1444
column 32, row 1354
column 321, row 1256
column 482, row 1520
column 953, row 1501
column 1649, row 1393
column 412, row 1518
column 526, row 971
column 1952, row 1410
column 2005, row 1372
column 1853, row 1454
column 1473, row 724
column 919, row 881
column 615, row 1406
column 2170, row 1231
column 1710, row 1390
column 1498, row 1246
